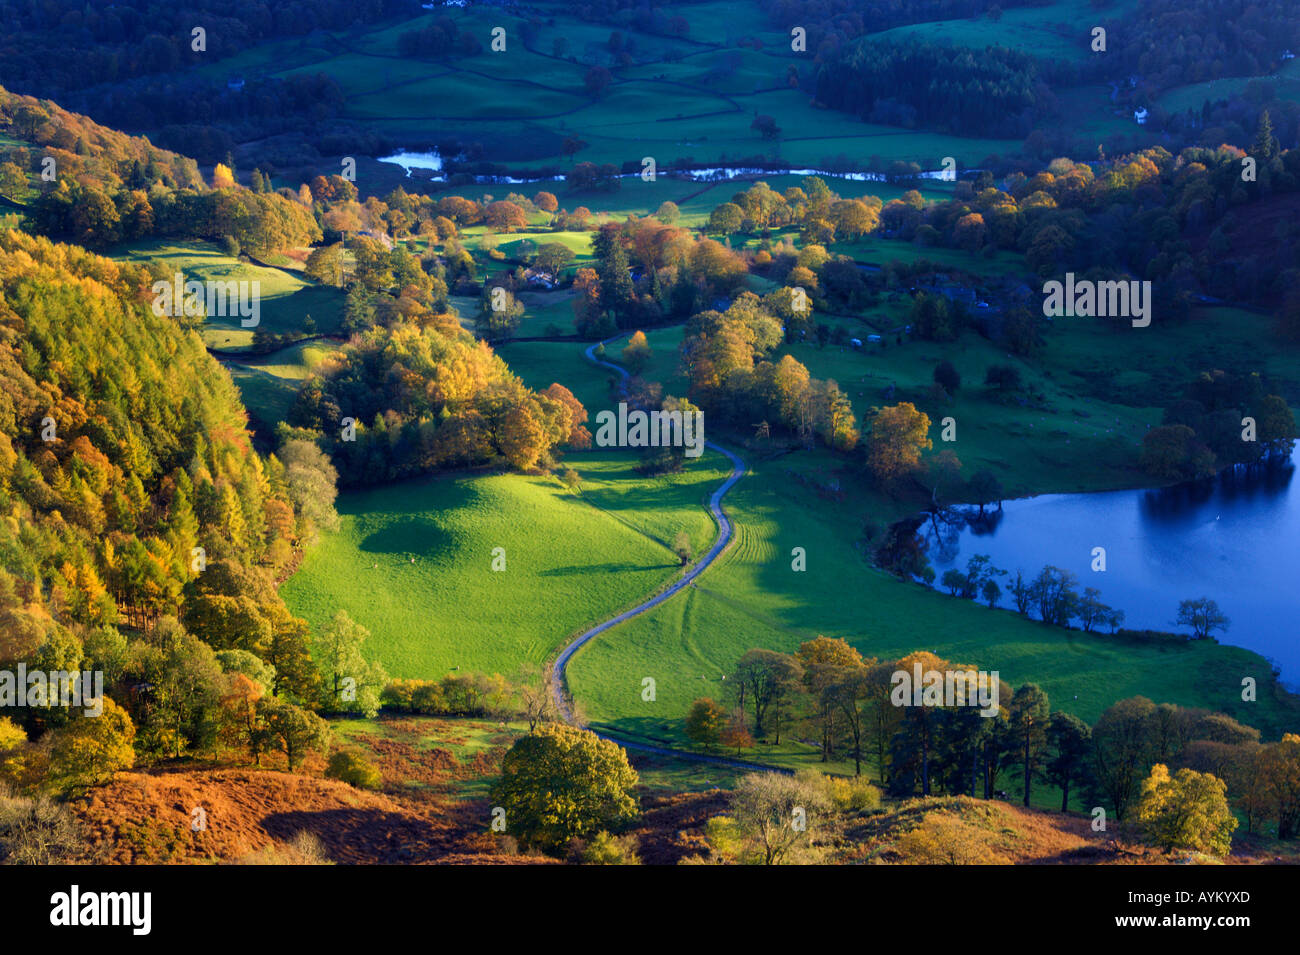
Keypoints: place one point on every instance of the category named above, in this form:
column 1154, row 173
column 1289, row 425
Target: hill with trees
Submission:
column 141, row 533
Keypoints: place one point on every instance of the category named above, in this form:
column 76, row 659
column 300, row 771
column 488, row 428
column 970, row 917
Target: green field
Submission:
column 1285, row 82
column 1055, row 31
column 413, row 562
column 286, row 299
column 269, row 383
column 1083, row 437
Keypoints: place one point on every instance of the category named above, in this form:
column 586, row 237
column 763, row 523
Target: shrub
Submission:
column 351, row 767
column 606, row 849
column 37, row 831
column 857, row 795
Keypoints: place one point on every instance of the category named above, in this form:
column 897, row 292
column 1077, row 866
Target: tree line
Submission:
column 829, row 694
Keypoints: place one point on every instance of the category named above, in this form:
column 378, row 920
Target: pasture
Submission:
column 286, row 299
column 413, row 562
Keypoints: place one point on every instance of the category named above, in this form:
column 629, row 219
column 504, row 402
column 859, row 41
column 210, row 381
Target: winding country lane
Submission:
column 719, row 545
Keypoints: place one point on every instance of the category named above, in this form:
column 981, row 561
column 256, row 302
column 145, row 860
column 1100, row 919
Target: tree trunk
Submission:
column 1026, row 771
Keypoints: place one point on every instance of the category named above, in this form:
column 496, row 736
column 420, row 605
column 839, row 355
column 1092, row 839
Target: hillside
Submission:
column 146, row 818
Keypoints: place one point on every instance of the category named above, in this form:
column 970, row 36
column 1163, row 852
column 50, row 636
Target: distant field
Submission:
column 1061, row 30
column 1285, row 82
column 286, row 300
column 269, row 384
column 1080, row 441
column 692, row 97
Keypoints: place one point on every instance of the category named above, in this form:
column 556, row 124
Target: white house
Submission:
column 1140, row 116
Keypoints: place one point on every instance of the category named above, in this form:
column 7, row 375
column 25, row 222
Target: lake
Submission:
column 1234, row 538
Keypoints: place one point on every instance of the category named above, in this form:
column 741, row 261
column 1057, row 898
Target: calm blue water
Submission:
column 1234, row 538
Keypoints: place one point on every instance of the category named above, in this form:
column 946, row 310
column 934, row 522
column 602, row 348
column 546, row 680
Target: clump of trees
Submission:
column 471, row 694
column 470, row 410
column 998, row 93
column 783, row 819
column 1222, row 420
column 726, row 358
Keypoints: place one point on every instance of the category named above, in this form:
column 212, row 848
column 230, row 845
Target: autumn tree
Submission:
column 668, row 213
column 778, row 817
column 222, row 177
column 1187, row 811
column 504, row 216
column 945, row 838
column 560, row 782
column 636, row 353
column 829, row 667
column 705, row 722
column 578, row 437
column 899, row 433
column 552, row 257
column 726, row 218
column 292, row 730
column 91, row 749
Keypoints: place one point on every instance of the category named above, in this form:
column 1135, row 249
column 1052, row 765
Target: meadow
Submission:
column 413, row 562
column 448, row 610
column 1285, row 82
column 1082, row 436
column 286, row 299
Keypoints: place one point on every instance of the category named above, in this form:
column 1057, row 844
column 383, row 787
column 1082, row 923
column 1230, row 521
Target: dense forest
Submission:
column 141, row 533
column 991, row 92
column 57, row 46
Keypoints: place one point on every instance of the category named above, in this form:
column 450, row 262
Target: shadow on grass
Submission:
column 413, row 536
column 578, row 569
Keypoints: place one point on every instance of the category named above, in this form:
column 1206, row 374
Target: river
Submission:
column 1234, row 538
column 431, row 161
